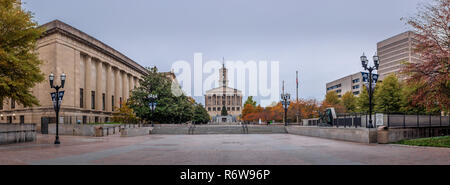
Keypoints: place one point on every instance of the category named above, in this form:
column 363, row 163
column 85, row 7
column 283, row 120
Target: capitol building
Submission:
column 224, row 96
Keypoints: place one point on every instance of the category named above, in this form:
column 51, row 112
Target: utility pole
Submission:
column 298, row 111
column 282, row 100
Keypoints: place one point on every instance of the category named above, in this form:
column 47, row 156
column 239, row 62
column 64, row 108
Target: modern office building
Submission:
column 99, row 79
column 394, row 51
column 353, row 83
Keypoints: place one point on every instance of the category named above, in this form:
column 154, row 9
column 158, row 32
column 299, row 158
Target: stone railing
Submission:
column 17, row 133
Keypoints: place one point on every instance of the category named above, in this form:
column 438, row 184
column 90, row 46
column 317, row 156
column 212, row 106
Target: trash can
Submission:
column 383, row 135
column 98, row 131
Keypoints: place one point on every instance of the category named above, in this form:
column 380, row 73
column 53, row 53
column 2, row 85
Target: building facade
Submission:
column 394, row 51
column 215, row 98
column 99, row 79
column 353, row 83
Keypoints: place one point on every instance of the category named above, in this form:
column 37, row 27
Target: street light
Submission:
column 365, row 64
column 285, row 101
column 152, row 104
column 57, row 100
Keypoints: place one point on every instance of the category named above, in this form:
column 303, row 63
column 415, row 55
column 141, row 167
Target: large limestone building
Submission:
column 214, row 98
column 99, row 79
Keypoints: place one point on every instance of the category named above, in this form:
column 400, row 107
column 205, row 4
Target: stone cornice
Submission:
column 57, row 26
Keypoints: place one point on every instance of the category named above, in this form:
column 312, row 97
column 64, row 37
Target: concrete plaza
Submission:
column 258, row 149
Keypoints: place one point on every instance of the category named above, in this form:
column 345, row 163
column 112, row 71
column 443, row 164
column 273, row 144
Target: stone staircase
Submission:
column 217, row 129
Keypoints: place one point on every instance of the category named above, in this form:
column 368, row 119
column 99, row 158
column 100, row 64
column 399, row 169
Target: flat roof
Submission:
column 58, row 26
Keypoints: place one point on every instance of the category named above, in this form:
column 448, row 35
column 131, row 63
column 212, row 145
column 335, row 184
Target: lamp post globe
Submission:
column 63, row 80
column 51, row 78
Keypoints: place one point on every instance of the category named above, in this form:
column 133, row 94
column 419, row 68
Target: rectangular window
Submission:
column 13, row 104
column 93, row 100
column 1, row 104
column 356, row 93
column 81, row 98
column 112, row 103
column 103, row 101
column 356, row 87
column 120, row 102
column 356, row 80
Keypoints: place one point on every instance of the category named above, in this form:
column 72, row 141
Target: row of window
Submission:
column 334, row 87
column 355, row 87
column 354, row 93
column 228, row 109
column 356, row 80
column 93, row 100
column 9, row 119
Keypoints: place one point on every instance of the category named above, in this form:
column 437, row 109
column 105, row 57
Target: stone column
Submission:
column 109, row 90
column 87, row 83
column 76, row 79
column 124, row 87
column 130, row 84
column 116, row 87
column 136, row 82
column 99, row 90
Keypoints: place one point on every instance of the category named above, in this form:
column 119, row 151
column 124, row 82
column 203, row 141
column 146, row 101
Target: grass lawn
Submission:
column 434, row 142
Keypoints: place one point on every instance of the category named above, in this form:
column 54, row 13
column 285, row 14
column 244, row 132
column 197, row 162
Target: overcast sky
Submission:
column 323, row 39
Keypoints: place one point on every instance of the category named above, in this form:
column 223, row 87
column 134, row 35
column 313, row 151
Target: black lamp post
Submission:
column 152, row 104
column 57, row 101
column 365, row 63
column 285, row 101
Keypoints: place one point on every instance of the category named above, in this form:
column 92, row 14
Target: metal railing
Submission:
column 402, row 120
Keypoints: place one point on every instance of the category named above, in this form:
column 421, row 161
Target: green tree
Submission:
column 410, row 105
column 362, row 102
column 250, row 101
column 200, row 114
column 332, row 98
column 19, row 62
column 172, row 107
column 349, row 101
column 388, row 95
column 224, row 111
column 125, row 115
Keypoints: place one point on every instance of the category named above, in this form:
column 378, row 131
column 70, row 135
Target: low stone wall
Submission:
column 132, row 132
column 17, row 133
column 391, row 135
column 360, row 135
column 171, row 129
column 85, row 129
column 275, row 129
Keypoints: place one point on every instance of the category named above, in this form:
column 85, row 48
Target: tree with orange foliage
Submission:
column 431, row 77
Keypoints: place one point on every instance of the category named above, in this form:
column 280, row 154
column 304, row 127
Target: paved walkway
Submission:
column 273, row 149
